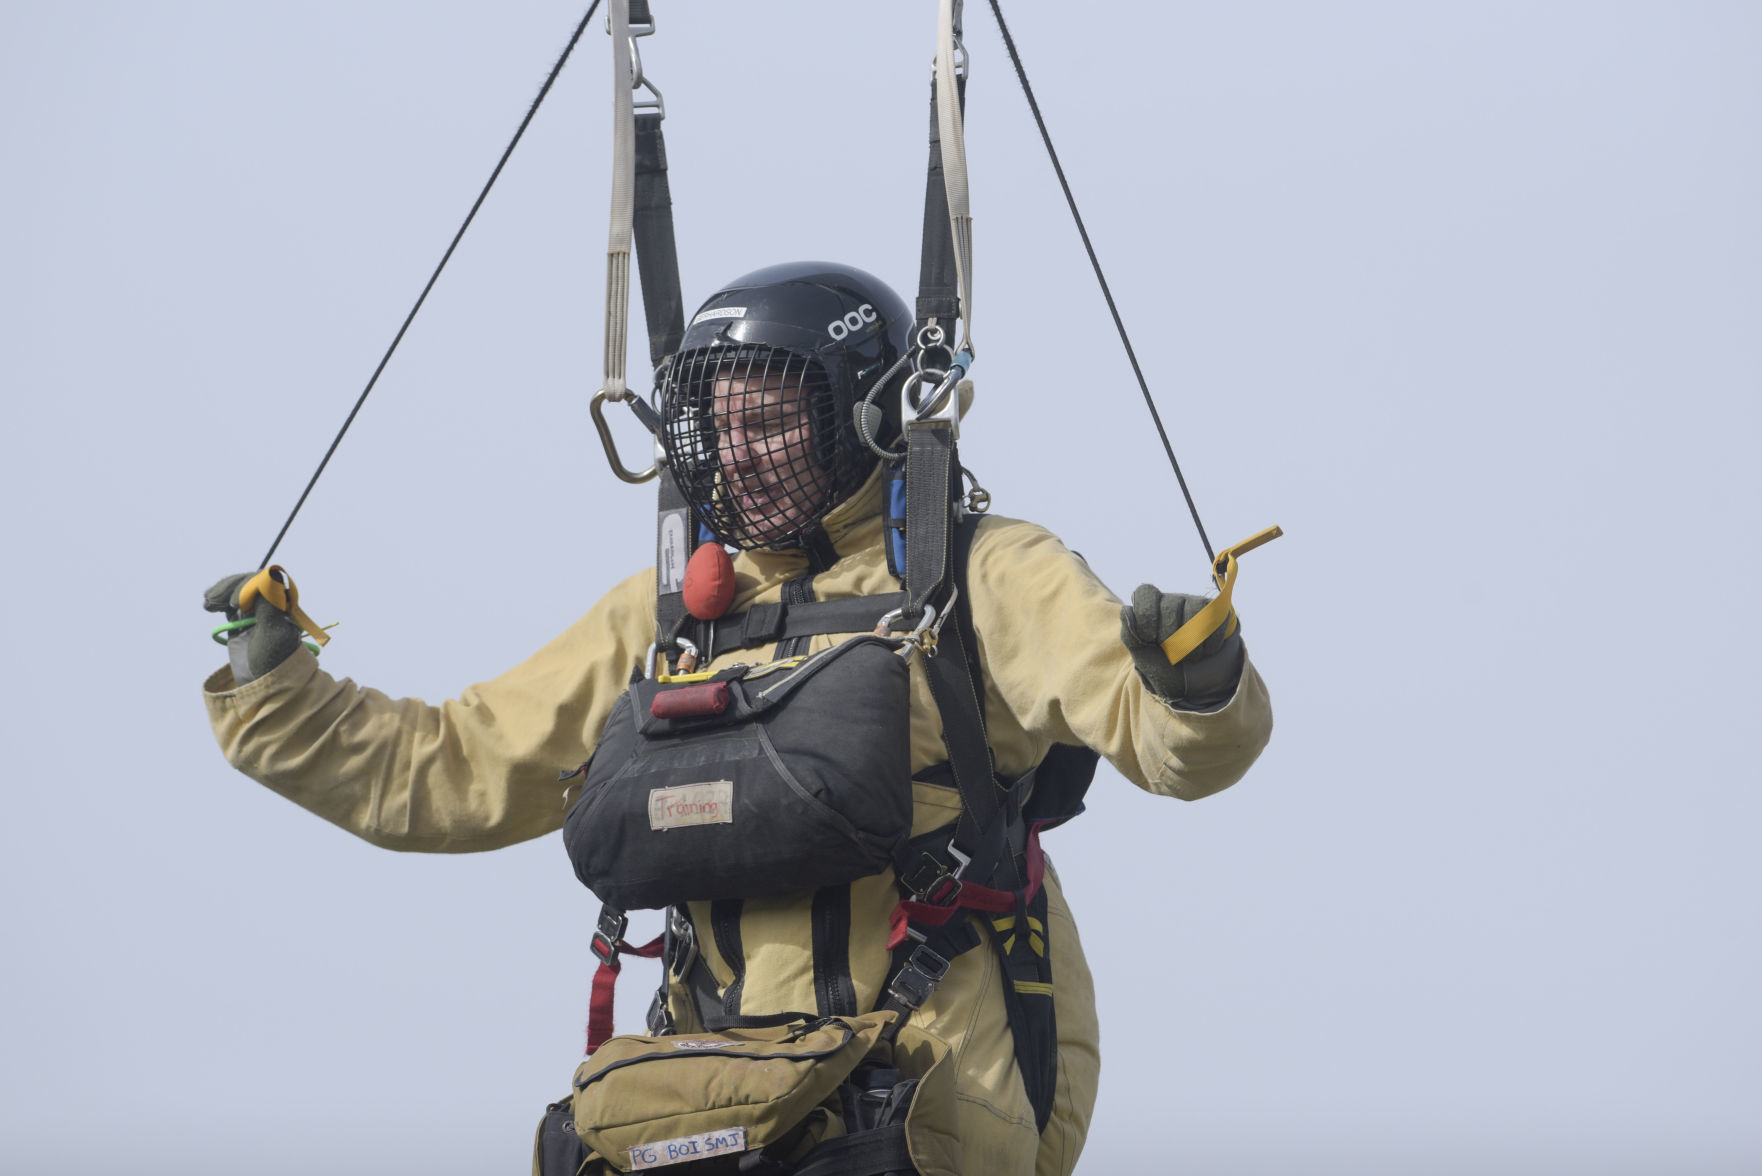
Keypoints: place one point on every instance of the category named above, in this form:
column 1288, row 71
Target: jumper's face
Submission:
column 765, row 449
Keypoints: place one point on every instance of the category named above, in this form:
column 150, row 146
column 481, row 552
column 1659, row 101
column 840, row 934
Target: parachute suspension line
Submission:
column 421, row 298
column 620, row 234
column 1119, row 324
column 952, row 64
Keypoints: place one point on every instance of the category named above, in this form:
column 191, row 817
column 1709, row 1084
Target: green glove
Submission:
column 253, row 649
column 1205, row 679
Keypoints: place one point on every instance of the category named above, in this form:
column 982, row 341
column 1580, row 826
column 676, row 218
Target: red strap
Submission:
column 971, row 897
column 599, row 1005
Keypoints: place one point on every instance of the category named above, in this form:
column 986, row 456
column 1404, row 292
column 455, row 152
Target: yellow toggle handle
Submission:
column 268, row 584
column 1217, row 611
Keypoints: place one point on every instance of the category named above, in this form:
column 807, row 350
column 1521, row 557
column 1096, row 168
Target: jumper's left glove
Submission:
column 253, row 649
column 1205, row 679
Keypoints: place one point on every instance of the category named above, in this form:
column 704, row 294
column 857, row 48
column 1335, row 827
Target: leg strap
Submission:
column 880, row 1152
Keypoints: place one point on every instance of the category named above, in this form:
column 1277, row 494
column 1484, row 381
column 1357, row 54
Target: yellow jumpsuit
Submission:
column 480, row 772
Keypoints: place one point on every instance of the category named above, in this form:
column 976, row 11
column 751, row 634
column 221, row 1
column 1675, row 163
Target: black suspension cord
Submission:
column 408, row 319
column 1009, row 44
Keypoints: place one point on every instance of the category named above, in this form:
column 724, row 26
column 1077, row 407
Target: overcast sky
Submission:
column 1464, row 295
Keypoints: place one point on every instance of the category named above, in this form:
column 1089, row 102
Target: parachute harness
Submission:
column 991, row 864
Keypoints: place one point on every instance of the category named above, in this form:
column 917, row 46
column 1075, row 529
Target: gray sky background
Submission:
column 1465, row 296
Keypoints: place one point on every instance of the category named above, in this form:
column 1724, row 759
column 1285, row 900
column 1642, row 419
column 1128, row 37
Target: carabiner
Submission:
column 611, row 445
column 951, row 378
column 925, row 635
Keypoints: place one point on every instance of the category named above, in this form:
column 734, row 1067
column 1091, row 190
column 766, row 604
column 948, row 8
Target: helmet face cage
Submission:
column 757, row 439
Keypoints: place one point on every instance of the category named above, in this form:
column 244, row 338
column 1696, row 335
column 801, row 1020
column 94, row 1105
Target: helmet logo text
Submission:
column 856, row 320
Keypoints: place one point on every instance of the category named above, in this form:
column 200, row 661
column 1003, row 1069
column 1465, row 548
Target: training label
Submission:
column 709, row 803
column 687, row 1147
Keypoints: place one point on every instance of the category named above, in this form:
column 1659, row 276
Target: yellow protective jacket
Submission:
column 480, row 772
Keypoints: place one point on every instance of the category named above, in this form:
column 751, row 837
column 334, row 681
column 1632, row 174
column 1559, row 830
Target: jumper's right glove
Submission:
column 253, row 649
column 1205, row 679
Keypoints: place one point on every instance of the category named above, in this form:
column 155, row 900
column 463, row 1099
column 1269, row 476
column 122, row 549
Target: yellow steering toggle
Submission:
column 277, row 587
column 1207, row 620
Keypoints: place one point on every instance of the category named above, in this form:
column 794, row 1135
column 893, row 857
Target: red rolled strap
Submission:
column 605, row 980
column 691, row 702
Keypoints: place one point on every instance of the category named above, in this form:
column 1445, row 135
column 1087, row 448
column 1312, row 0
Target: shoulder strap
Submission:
column 957, row 684
column 657, row 261
column 657, row 256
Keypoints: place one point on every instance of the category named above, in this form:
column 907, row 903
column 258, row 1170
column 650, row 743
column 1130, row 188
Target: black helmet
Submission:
column 758, row 401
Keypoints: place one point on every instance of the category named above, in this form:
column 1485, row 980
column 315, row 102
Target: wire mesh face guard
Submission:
column 756, row 441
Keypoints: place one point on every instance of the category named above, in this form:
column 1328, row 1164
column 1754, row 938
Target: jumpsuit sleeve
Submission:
column 1049, row 635
column 477, row 772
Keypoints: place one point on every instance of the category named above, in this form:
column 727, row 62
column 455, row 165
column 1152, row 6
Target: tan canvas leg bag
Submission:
column 694, row 1104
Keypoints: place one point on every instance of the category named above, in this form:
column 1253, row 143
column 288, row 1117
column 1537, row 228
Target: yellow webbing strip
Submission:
column 695, row 676
column 1206, row 621
column 269, row 584
column 1035, row 939
column 755, row 672
column 1034, row 987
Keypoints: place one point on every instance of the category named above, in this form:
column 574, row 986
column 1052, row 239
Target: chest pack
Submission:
column 759, row 780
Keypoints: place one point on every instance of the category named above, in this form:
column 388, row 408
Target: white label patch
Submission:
column 670, row 559
column 710, row 803
column 721, row 312
column 687, row 1147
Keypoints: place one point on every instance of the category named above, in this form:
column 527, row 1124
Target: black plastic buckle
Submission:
column 918, row 979
column 608, row 935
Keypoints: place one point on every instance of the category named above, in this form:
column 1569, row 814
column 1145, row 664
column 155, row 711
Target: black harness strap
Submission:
column 932, row 473
column 879, row 1151
column 657, row 262
column 763, row 624
column 657, row 257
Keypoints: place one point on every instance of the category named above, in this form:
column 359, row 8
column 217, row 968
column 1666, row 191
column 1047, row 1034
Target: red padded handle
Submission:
column 690, row 702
